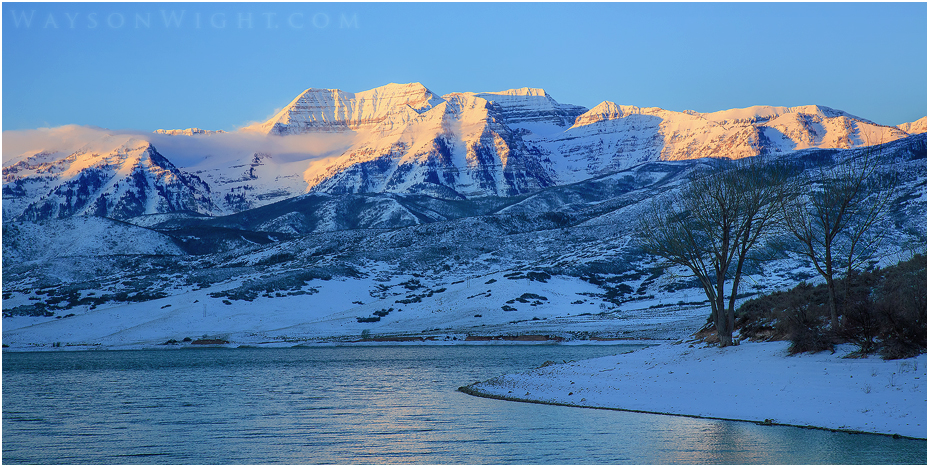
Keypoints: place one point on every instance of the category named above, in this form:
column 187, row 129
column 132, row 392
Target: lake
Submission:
column 362, row 405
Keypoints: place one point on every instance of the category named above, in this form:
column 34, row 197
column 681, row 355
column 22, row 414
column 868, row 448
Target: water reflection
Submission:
column 362, row 405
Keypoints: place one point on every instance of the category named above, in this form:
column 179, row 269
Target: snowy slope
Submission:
column 408, row 140
column 915, row 127
column 328, row 310
column 81, row 236
column 54, row 173
column 459, row 148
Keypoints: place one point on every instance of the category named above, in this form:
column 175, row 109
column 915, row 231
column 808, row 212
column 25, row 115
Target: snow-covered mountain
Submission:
column 111, row 177
column 333, row 110
column 402, row 139
column 611, row 137
column 916, row 127
column 328, row 267
column 533, row 109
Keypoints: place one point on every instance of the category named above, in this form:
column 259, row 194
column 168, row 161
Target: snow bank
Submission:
column 756, row 382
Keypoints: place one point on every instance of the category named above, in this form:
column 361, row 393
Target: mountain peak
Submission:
column 532, row 92
column 415, row 95
column 334, row 110
column 533, row 109
column 915, row 127
column 825, row 112
column 402, row 86
column 765, row 113
column 606, row 110
column 388, row 88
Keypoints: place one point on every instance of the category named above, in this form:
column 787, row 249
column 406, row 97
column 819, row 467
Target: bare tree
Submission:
column 713, row 226
column 834, row 219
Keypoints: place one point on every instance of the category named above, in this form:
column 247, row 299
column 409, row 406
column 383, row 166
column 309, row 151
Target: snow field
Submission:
column 753, row 382
column 328, row 311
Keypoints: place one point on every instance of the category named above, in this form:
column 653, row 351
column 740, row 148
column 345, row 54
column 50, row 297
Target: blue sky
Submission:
column 223, row 65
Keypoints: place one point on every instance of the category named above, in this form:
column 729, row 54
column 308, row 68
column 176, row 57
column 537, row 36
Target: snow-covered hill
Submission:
column 27, row 242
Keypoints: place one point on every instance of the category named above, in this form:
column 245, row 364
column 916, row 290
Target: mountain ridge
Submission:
column 405, row 139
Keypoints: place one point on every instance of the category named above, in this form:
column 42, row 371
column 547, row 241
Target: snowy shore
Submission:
column 756, row 382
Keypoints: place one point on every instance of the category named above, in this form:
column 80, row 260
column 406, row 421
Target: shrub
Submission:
column 614, row 294
column 540, row 276
column 882, row 311
column 525, row 297
column 901, row 304
column 798, row 315
column 806, row 329
column 860, row 323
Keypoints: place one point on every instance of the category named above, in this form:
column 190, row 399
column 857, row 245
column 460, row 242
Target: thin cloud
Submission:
column 181, row 150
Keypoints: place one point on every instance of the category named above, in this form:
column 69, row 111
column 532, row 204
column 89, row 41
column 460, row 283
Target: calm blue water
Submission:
column 361, row 405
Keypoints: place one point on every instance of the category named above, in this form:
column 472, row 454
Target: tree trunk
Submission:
column 721, row 320
column 731, row 322
column 831, row 290
column 723, row 332
column 731, row 306
column 831, row 300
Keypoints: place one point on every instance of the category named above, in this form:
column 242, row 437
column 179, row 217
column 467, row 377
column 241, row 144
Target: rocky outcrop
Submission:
column 523, row 107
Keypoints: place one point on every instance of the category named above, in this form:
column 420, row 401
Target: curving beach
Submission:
column 756, row 382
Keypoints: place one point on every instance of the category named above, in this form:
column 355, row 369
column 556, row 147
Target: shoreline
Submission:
column 821, row 391
column 515, row 340
column 468, row 390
